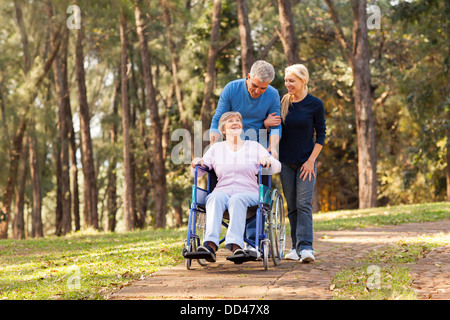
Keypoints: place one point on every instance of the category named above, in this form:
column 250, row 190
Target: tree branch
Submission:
column 345, row 46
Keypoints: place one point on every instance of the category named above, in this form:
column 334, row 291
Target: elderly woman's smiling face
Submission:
column 233, row 126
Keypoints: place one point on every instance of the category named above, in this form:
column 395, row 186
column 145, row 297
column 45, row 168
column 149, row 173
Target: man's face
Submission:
column 255, row 87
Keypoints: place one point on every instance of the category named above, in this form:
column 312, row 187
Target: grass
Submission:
column 91, row 265
column 363, row 218
column 384, row 274
column 86, row 265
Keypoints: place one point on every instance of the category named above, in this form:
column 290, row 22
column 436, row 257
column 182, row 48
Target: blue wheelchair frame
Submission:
column 199, row 202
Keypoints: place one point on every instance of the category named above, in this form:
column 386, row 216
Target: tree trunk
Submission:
column 129, row 207
column 111, row 191
column 24, row 37
column 178, row 215
column 90, row 186
column 58, row 210
column 159, row 170
column 447, row 90
column 64, row 226
column 206, row 110
column 19, row 222
column 174, row 62
column 247, row 57
column 287, row 33
column 36, row 224
column 367, row 155
column 73, row 157
column 448, row 167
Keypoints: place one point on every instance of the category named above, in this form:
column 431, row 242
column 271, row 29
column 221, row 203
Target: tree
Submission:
column 19, row 223
column 63, row 221
column 27, row 95
column 247, row 56
column 159, row 170
column 174, row 59
column 287, row 32
column 426, row 86
column 129, row 191
column 87, row 156
column 358, row 58
column 112, row 176
column 36, row 218
column 206, row 110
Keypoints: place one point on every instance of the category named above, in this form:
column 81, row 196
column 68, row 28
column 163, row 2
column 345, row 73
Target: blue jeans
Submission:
column 298, row 195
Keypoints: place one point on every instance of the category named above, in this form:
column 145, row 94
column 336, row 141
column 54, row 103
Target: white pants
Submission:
column 216, row 203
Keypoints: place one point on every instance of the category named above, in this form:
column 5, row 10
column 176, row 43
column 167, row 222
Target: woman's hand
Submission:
column 265, row 162
column 196, row 161
column 307, row 169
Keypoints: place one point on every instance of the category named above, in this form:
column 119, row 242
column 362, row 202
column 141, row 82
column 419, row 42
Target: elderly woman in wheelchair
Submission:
column 236, row 162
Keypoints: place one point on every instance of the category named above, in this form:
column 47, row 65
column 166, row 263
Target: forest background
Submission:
column 93, row 94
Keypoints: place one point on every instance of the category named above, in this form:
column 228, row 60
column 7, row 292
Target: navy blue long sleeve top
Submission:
column 304, row 118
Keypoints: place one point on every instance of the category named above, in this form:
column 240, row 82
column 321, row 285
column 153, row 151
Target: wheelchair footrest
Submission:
column 196, row 255
column 252, row 254
column 248, row 255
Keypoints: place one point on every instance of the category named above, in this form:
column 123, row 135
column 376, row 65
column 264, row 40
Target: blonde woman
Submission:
column 236, row 164
column 303, row 126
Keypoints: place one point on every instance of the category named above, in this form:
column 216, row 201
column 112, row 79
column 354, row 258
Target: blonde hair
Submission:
column 223, row 119
column 301, row 72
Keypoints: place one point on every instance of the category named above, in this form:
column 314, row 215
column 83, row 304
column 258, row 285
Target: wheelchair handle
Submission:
column 201, row 168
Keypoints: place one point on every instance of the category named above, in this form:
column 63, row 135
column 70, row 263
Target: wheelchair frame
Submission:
column 270, row 228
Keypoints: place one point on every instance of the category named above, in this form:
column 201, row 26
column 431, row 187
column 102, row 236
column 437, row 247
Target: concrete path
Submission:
column 292, row 280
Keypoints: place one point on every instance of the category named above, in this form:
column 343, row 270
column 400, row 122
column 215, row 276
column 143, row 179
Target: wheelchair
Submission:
column 270, row 235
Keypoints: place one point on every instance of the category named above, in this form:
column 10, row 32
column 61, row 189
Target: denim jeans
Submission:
column 298, row 195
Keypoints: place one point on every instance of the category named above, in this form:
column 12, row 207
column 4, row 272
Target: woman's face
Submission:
column 293, row 84
column 233, row 126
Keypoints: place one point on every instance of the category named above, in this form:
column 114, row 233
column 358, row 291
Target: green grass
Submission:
column 87, row 265
column 361, row 283
column 91, row 265
column 384, row 274
column 350, row 219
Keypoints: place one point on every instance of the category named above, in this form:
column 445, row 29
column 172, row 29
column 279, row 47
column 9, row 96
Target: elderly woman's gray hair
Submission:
column 262, row 70
column 223, row 119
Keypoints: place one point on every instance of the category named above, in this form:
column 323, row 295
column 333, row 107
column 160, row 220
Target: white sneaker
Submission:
column 307, row 256
column 292, row 255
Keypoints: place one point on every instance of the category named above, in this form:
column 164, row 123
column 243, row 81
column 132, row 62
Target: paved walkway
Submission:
column 292, row 280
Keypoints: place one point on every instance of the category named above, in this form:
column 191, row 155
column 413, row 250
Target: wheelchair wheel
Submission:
column 200, row 227
column 265, row 249
column 277, row 230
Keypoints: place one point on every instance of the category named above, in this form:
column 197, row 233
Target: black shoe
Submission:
column 209, row 254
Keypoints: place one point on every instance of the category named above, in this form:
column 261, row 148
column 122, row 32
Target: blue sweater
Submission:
column 235, row 97
column 302, row 120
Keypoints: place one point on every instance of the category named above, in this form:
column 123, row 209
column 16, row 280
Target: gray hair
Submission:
column 223, row 119
column 262, row 70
